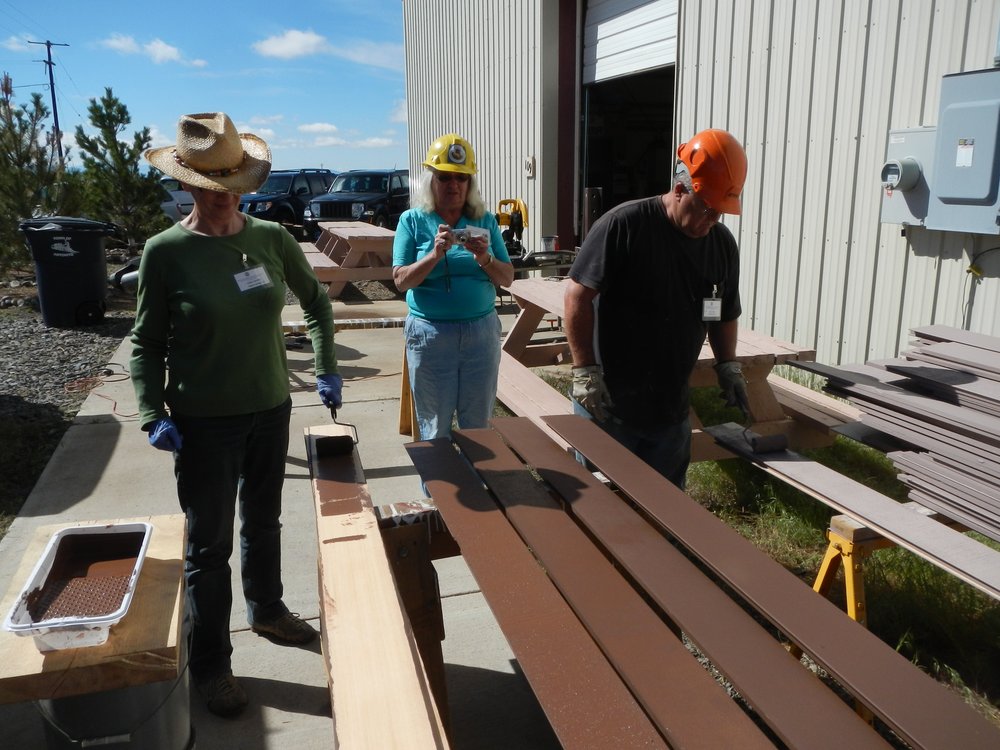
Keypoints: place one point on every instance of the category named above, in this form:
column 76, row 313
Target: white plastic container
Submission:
column 81, row 585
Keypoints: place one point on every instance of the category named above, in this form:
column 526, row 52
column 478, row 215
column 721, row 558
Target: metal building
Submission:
column 577, row 105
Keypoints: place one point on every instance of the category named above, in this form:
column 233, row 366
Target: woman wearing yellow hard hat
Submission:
column 449, row 257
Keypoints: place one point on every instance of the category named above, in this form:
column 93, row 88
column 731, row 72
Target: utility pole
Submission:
column 52, row 88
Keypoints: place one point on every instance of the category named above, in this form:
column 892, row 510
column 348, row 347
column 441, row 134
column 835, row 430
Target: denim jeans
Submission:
column 224, row 460
column 666, row 448
column 453, row 370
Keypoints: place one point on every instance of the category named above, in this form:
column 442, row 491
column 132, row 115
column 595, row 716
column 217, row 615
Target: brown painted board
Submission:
column 799, row 709
column 369, row 646
column 959, row 336
column 142, row 648
column 690, row 708
column 969, row 560
column 919, row 709
column 583, row 697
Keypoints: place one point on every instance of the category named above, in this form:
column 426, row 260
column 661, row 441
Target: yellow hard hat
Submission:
column 451, row 153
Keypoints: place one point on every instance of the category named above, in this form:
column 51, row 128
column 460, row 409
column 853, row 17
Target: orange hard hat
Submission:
column 717, row 164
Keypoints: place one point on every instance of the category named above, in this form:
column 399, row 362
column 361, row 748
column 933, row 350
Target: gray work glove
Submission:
column 733, row 385
column 590, row 391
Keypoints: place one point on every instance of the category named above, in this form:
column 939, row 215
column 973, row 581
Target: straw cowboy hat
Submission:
column 210, row 154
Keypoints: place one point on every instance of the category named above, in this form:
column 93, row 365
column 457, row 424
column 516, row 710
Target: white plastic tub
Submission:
column 81, row 585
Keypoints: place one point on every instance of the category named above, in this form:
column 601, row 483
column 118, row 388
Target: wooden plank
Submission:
column 527, row 395
column 368, row 642
column 919, row 709
column 972, row 562
column 812, row 405
column 959, row 336
column 143, row 648
column 797, row 707
column 583, row 697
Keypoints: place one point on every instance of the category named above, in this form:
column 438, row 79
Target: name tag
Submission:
column 253, row 278
column 711, row 308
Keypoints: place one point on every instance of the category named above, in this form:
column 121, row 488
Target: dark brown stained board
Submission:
column 797, row 707
column 918, row 708
column 690, row 708
column 552, row 647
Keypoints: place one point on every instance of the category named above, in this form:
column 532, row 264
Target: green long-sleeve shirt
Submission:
column 201, row 346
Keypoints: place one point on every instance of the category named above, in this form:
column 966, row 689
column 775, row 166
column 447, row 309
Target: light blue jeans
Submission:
column 666, row 448
column 453, row 371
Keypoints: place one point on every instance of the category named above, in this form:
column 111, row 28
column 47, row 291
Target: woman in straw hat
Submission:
column 211, row 379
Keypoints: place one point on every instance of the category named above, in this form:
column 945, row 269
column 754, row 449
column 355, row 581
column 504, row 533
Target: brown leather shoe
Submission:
column 288, row 628
column 223, row 694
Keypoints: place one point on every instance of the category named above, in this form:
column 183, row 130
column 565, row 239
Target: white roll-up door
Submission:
column 622, row 37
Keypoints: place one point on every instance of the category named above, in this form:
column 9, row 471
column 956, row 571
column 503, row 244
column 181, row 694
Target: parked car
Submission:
column 376, row 196
column 181, row 199
column 285, row 194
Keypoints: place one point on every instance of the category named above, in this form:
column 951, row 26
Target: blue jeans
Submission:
column 222, row 460
column 453, row 371
column 666, row 448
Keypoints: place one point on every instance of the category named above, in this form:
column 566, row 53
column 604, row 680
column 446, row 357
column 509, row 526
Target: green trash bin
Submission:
column 70, row 268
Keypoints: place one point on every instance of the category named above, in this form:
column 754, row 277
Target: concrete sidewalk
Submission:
column 104, row 469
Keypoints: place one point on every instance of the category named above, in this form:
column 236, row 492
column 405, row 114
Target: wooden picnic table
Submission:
column 758, row 353
column 350, row 251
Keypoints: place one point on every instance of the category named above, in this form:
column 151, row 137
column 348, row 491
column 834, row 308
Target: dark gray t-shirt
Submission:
column 652, row 281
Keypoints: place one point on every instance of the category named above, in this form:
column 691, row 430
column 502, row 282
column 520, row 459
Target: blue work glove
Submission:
column 163, row 435
column 329, row 387
column 733, row 385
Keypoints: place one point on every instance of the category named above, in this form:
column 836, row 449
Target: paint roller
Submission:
column 337, row 445
column 768, row 443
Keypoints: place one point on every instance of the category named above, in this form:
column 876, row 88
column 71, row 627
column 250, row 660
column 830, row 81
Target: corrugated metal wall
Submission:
column 813, row 88
column 487, row 71
column 621, row 37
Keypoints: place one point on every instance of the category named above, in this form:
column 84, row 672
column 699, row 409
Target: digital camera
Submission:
column 462, row 236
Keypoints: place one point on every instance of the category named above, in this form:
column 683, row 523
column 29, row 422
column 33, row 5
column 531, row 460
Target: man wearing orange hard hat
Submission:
column 652, row 279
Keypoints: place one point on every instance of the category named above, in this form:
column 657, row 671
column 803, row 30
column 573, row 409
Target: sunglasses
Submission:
column 449, row 176
column 703, row 209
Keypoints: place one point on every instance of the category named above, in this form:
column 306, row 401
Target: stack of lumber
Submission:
column 941, row 401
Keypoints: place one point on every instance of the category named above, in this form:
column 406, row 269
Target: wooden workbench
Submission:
column 143, row 648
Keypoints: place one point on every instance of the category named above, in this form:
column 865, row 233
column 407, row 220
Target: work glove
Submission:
column 733, row 385
column 164, row 436
column 590, row 391
column 330, row 387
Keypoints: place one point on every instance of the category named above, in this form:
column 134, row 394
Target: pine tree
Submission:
column 116, row 189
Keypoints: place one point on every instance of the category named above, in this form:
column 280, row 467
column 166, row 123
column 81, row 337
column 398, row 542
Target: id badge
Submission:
column 711, row 309
column 253, row 278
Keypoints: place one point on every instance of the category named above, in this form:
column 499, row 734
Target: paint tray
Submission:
column 81, row 585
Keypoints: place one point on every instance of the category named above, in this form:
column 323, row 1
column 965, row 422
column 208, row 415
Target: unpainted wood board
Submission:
column 959, row 336
column 368, row 644
column 960, row 385
column 960, row 356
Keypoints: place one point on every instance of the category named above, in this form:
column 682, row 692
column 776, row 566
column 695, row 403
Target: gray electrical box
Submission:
column 906, row 176
column 965, row 191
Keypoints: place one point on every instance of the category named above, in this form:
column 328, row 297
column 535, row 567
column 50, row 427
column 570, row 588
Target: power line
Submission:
column 52, row 88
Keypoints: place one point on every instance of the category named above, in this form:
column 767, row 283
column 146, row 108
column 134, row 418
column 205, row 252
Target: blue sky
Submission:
column 321, row 81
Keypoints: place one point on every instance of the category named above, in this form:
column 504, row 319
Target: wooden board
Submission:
column 378, row 687
column 143, row 648
column 919, row 709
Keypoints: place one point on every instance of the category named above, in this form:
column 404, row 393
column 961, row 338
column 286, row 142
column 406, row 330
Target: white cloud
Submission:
column 156, row 50
column 265, row 119
column 159, row 139
column 126, row 45
column 398, row 113
column 329, row 140
column 318, row 127
column 15, row 44
column 377, row 55
column 373, row 142
column 292, row 44
column 160, row 52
